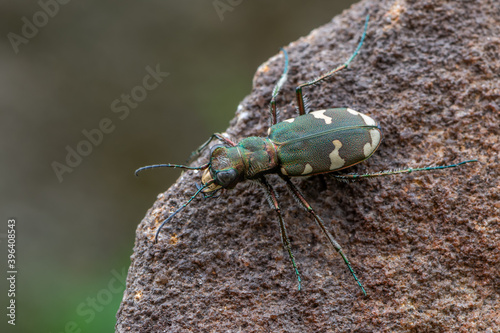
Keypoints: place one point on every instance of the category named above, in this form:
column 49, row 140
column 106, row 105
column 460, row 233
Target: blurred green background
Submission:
column 75, row 232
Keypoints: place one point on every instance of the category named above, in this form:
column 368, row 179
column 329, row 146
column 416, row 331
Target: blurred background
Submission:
column 85, row 100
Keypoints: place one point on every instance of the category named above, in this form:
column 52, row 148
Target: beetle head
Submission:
column 225, row 170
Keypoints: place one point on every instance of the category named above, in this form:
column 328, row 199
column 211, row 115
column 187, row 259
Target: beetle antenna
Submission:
column 204, row 166
column 201, row 188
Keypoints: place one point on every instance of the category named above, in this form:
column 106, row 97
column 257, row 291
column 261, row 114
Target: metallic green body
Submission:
column 318, row 142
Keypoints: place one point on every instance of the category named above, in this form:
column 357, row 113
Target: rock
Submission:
column 425, row 245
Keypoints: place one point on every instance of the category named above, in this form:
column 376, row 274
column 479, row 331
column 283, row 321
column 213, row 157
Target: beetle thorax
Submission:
column 259, row 156
column 249, row 159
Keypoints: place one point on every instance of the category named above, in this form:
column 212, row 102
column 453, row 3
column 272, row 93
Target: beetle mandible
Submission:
column 318, row 142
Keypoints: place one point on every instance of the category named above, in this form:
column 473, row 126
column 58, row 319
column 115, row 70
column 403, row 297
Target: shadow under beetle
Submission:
column 317, row 142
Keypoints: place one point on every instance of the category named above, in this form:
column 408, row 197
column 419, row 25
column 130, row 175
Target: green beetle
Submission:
column 317, row 142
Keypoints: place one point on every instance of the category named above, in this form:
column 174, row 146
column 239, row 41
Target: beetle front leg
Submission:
column 273, row 201
column 200, row 149
column 321, row 224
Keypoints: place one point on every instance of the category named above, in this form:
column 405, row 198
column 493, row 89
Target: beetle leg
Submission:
column 200, row 149
column 276, row 90
column 355, row 177
column 273, row 201
column 321, row 224
column 298, row 90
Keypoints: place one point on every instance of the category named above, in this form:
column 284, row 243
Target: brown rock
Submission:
column 425, row 245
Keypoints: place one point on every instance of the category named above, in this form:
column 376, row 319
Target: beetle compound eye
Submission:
column 226, row 177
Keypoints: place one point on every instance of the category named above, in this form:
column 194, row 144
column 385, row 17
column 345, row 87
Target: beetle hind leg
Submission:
column 355, row 177
column 321, row 224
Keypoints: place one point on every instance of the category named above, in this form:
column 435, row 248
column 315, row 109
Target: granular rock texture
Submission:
column 426, row 246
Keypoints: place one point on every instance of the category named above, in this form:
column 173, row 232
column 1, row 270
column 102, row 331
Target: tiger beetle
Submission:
column 313, row 143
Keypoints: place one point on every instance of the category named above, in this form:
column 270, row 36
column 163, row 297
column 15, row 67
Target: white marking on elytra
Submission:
column 291, row 120
column 308, row 169
column 283, row 171
column 336, row 161
column 269, row 131
column 368, row 120
column 351, row 111
column 321, row 115
column 369, row 148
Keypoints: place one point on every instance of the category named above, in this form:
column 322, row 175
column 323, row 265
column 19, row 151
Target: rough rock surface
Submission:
column 425, row 245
